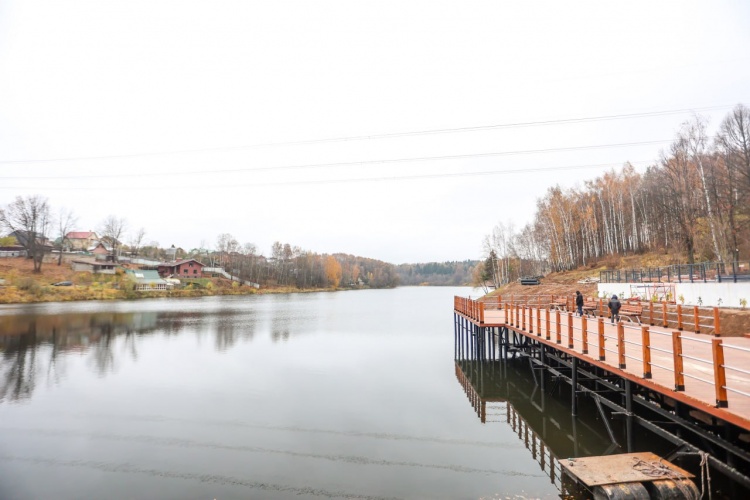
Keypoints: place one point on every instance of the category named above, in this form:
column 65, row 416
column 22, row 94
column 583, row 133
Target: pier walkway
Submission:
column 706, row 372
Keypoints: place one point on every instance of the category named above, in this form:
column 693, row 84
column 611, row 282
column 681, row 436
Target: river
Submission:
column 320, row 395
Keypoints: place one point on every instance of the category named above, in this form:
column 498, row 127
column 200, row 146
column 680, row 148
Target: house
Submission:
column 93, row 266
column 81, row 240
column 23, row 239
column 147, row 280
column 13, row 251
column 188, row 268
column 99, row 249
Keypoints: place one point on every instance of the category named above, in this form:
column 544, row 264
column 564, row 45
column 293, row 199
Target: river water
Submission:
column 322, row 395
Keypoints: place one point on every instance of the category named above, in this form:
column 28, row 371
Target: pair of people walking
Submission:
column 613, row 304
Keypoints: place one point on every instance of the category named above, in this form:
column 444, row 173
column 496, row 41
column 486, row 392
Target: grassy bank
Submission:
column 20, row 285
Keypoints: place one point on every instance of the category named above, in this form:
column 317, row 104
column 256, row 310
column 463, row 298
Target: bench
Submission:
column 632, row 311
column 590, row 307
column 559, row 305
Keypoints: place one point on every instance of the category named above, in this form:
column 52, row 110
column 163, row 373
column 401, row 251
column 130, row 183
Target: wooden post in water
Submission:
column 720, row 377
column 602, row 354
column 646, row 339
column 620, row 345
column 679, row 377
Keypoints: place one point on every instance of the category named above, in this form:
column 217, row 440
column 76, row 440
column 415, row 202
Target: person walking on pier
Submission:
column 579, row 303
column 614, row 309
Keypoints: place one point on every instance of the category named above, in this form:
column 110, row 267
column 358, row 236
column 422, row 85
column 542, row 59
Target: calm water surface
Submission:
column 326, row 395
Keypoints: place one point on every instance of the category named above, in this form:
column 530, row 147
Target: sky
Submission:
column 402, row 131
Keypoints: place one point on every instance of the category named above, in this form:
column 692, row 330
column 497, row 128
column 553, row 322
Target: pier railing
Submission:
column 702, row 366
column 662, row 313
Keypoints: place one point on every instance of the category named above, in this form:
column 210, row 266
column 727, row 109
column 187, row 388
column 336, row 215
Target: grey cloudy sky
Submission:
column 192, row 119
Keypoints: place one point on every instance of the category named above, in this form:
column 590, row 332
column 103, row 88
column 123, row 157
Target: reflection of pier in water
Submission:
column 503, row 392
column 635, row 412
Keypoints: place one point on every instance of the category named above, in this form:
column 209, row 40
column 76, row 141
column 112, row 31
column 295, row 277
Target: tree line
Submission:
column 289, row 265
column 694, row 201
column 35, row 226
column 453, row 273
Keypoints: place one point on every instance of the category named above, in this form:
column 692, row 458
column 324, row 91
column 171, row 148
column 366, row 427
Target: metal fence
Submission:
column 681, row 273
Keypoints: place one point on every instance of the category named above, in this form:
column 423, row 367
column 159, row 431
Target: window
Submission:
column 195, row 271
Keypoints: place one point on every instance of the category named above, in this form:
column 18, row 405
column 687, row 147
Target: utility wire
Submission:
column 343, row 163
column 376, row 136
column 337, row 181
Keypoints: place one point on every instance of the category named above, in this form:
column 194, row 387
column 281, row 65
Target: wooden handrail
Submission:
column 679, row 377
column 602, row 354
column 570, row 330
column 584, row 336
column 697, row 320
column 716, row 322
column 538, row 322
column 621, row 345
column 646, row 340
column 720, row 376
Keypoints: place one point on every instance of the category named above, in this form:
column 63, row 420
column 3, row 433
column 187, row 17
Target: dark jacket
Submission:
column 579, row 299
column 614, row 306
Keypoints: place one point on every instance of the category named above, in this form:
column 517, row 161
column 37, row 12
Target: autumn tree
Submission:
column 733, row 144
column 136, row 241
column 333, row 271
column 111, row 232
column 29, row 218
column 65, row 222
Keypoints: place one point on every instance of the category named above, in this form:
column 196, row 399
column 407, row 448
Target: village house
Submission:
column 188, row 268
column 93, row 266
column 13, row 251
column 147, row 280
column 99, row 249
column 81, row 240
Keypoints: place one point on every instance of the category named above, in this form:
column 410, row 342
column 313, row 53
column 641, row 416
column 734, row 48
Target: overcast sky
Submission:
column 281, row 121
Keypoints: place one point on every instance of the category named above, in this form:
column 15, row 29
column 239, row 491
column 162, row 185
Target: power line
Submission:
column 340, row 181
column 377, row 136
column 346, row 163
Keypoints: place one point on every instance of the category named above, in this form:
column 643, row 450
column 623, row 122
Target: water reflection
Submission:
column 504, row 392
column 34, row 346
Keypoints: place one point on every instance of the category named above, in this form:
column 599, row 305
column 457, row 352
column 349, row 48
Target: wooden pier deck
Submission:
column 708, row 373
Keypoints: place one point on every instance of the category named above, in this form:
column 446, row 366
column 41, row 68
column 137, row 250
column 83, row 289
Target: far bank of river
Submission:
column 15, row 294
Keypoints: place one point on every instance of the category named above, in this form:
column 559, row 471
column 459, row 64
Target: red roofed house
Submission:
column 81, row 240
column 188, row 268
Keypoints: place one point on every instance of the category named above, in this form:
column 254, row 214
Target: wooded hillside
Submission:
column 693, row 202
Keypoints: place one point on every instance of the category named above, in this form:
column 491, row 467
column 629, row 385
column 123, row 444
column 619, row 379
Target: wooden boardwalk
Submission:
column 711, row 374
